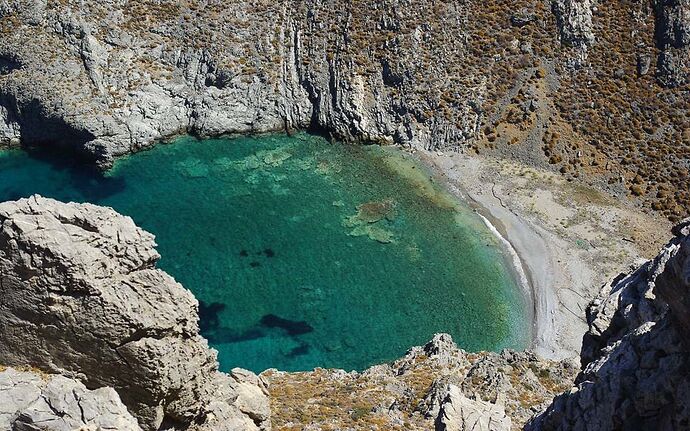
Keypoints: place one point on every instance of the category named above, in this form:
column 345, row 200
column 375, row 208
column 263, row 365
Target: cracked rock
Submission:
column 82, row 298
column 30, row 401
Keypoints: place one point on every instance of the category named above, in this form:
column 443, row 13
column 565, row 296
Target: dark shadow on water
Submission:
column 210, row 323
column 209, row 319
column 84, row 182
column 292, row 327
column 300, row 350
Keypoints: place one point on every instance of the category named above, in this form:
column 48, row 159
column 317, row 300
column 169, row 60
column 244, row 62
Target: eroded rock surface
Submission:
column 459, row 413
column 436, row 386
column 82, row 298
column 636, row 354
column 576, row 85
column 32, row 401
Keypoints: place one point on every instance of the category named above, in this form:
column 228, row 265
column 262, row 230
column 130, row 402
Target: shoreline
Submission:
column 514, row 233
column 562, row 277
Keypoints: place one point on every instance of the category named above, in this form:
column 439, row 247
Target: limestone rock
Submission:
column 82, row 298
column 636, row 352
column 673, row 40
column 30, row 401
column 459, row 413
column 574, row 19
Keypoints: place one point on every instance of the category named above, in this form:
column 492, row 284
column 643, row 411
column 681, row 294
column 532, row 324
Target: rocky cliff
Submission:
column 595, row 90
column 636, row 354
column 81, row 298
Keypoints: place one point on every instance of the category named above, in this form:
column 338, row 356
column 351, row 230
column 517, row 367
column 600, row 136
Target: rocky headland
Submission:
column 567, row 97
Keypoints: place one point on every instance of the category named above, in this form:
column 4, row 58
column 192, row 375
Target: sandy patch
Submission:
column 570, row 239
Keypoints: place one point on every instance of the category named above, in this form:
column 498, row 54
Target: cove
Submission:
column 303, row 253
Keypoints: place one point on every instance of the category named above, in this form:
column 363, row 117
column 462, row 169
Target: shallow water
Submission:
column 303, row 253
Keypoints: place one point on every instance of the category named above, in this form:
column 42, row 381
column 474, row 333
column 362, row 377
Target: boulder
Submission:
column 459, row 413
column 34, row 401
column 82, row 298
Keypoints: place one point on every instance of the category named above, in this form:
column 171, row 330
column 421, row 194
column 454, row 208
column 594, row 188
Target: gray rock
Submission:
column 459, row 413
column 33, row 402
column 672, row 32
column 574, row 20
column 82, row 298
column 636, row 353
column 644, row 63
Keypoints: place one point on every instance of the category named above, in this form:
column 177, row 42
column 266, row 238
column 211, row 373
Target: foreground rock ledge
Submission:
column 81, row 297
column 31, row 400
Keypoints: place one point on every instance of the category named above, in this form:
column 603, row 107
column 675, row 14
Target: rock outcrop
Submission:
column 636, row 354
column 82, row 298
column 673, row 40
column 31, row 401
column 459, row 413
column 435, row 386
column 574, row 18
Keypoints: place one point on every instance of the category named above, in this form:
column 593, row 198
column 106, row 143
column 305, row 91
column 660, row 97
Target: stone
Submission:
column 82, row 298
column 32, row 401
column 672, row 32
column 459, row 413
column 522, row 17
column 682, row 228
column 574, row 19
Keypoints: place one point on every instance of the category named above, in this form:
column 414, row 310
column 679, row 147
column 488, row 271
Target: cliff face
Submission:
column 82, row 298
column 636, row 354
column 597, row 90
column 109, row 78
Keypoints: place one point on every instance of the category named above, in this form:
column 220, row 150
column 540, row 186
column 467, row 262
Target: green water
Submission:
column 303, row 253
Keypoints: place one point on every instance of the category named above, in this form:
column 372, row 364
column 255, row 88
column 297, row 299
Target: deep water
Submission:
column 303, row 253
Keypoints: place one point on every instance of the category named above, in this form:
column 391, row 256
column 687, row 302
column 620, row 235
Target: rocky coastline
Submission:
column 113, row 342
column 572, row 92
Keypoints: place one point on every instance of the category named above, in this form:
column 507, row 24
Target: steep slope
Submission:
column 636, row 354
column 597, row 90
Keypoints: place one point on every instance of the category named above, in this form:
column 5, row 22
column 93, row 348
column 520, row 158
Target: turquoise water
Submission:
column 303, row 253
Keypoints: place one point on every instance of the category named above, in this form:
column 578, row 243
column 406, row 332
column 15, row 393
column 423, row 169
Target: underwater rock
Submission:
column 366, row 221
column 374, row 233
column 371, row 212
